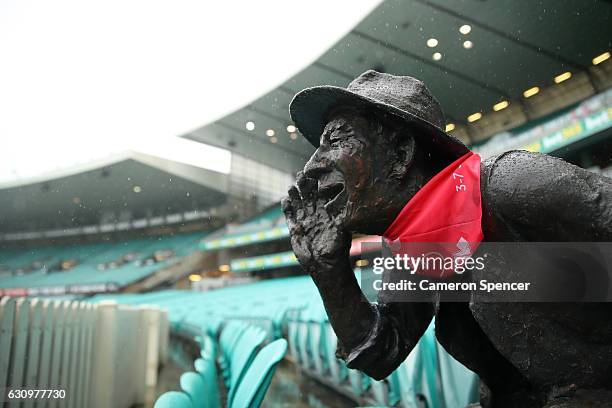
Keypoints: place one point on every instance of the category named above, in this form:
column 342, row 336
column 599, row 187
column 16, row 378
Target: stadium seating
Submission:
column 194, row 385
column 268, row 226
column 242, row 357
column 240, row 316
column 205, row 366
column 235, row 325
column 257, row 379
column 87, row 275
column 174, row 399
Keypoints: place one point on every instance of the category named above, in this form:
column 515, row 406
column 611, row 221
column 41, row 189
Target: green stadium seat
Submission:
column 230, row 337
column 337, row 368
column 207, row 369
column 315, row 341
column 304, row 350
column 292, row 337
column 460, row 387
column 193, row 385
column 254, row 385
column 416, row 378
column 243, row 356
column 209, row 348
column 173, row 399
column 359, row 382
column 394, row 389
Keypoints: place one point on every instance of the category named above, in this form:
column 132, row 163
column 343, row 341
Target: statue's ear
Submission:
column 405, row 152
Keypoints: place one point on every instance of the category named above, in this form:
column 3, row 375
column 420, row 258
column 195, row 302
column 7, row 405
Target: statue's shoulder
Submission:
column 519, row 171
column 537, row 194
column 522, row 161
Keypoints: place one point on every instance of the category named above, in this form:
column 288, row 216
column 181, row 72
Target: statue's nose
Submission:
column 316, row 166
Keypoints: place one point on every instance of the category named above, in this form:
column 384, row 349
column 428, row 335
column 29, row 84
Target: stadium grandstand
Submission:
column 164, row 277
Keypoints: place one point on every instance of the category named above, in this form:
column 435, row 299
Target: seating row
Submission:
column 246, row 370
column 428, row 377
column 292, row 308
column 116, row 263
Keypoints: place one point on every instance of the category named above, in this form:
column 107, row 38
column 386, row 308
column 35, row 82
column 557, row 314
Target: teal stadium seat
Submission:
column 243, row 356
column 173, row 399
column 209, row 348
column 254, row 385
column 230, row 336
column 193, row 384
column 208, row 371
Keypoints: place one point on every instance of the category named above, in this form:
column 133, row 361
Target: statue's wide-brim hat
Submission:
column 402, row 96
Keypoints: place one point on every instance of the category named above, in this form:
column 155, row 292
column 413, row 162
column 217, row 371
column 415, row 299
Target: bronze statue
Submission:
column 378, row 142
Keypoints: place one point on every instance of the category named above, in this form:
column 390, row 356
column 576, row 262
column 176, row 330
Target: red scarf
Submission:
column 447, row 212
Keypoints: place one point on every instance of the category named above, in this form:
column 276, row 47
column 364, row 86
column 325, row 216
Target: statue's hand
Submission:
column 318, row 237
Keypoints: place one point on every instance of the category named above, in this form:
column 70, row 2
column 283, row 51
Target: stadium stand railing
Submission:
column 73, row 350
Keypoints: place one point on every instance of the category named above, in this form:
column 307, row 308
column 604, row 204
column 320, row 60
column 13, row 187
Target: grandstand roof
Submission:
column 515, row 46
column 120, row 188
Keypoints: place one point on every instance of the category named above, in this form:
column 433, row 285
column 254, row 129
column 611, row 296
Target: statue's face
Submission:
column 354, row 167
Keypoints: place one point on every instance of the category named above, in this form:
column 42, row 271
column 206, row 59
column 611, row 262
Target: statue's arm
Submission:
column 373, row 338
column 547, row 199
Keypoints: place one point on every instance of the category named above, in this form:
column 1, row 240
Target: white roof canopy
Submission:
column 82, row 79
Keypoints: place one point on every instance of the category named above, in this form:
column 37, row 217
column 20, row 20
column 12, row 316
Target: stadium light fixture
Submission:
column 500, row 105
column 195, row 277
column 432, row 42
column 563, row 77
column 362, row 262
column 450, row 127
column 270, row 132
column 137, row 189
column 250, row 125
column 465, row 29
column 291, row 129
column 601, row 58
column 436, row 56
column 468, row 44
column 224, row 268
column 531, row 91
column 474, row 117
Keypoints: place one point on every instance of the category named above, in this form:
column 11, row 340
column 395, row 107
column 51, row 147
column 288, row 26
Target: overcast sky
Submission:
column 81, row 79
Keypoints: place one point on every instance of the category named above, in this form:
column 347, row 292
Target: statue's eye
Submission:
column 334, row 138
